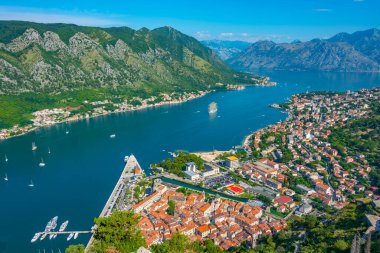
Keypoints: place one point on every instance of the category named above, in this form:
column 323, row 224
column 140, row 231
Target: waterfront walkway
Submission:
column 131, row 164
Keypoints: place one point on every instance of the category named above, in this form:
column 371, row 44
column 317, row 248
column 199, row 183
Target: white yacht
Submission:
column 42, row 163
column 70, row 236
column 6, row 177
column 76, row 235
column 34, row 147
column 43, row 236
column 63, row 226
column 35, row 237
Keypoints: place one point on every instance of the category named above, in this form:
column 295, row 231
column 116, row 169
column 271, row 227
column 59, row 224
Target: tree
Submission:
column 118, row 230
column 341, row 245
column 171, row 207
column 311, row 221
column 79, row 248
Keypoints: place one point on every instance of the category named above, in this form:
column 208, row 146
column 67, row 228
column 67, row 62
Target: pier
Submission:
column 131, row 164
column 66, row 232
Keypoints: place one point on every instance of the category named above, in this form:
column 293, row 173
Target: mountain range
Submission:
column 226, row 49
column 37, row 57
column 356, row 52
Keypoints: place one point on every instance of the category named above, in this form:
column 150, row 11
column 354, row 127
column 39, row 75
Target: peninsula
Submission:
column 287, row 179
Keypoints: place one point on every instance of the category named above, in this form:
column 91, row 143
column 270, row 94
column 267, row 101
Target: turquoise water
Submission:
column 84, row 165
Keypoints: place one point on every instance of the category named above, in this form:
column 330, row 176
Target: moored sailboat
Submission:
column 35, row 237
column 70, row 236
column 42, row 163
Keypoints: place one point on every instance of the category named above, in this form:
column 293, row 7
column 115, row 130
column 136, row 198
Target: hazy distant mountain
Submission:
column 226, row 49
column 58, row 57
column 357, row 52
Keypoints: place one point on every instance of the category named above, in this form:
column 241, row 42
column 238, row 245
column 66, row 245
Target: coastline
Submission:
column 16, row 130
column 81, row 117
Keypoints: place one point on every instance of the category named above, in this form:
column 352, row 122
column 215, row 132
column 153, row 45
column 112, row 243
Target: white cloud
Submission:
column 243, row 36
column 89, row 18
column 203, row 35
column 226, row 34
column 323, row 10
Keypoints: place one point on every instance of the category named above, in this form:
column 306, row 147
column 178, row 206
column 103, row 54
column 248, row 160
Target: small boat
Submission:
column 49, row 151
column 42, row 163
column 67, row 131
column 35, row 237
column 76, row 235
column 52, row 224
column 55, row 235
column 43, row 236
column 63, row 226
column 34, row 147
column 6, row 177
column 51, row 236
column 112, row 136
column 6, row 158
column 70, row 236
column 31, row 184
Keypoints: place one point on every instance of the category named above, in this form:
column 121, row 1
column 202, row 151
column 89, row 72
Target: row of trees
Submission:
column 178, row 163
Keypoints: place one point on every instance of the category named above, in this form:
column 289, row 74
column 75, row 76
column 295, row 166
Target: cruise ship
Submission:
column 212, row 108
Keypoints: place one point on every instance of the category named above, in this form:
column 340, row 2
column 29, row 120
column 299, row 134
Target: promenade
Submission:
column 130, row 164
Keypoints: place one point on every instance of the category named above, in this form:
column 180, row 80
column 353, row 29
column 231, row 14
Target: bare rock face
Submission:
column 340, row 53
column 80, row 43
column 29, row 37
column 118, row 51
column 52, row 42
column 56, row 57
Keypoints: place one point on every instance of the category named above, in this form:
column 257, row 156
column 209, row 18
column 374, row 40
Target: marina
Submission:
column 49, row 231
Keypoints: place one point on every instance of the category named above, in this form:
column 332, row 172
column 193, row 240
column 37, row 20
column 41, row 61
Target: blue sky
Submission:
column 249, row 20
